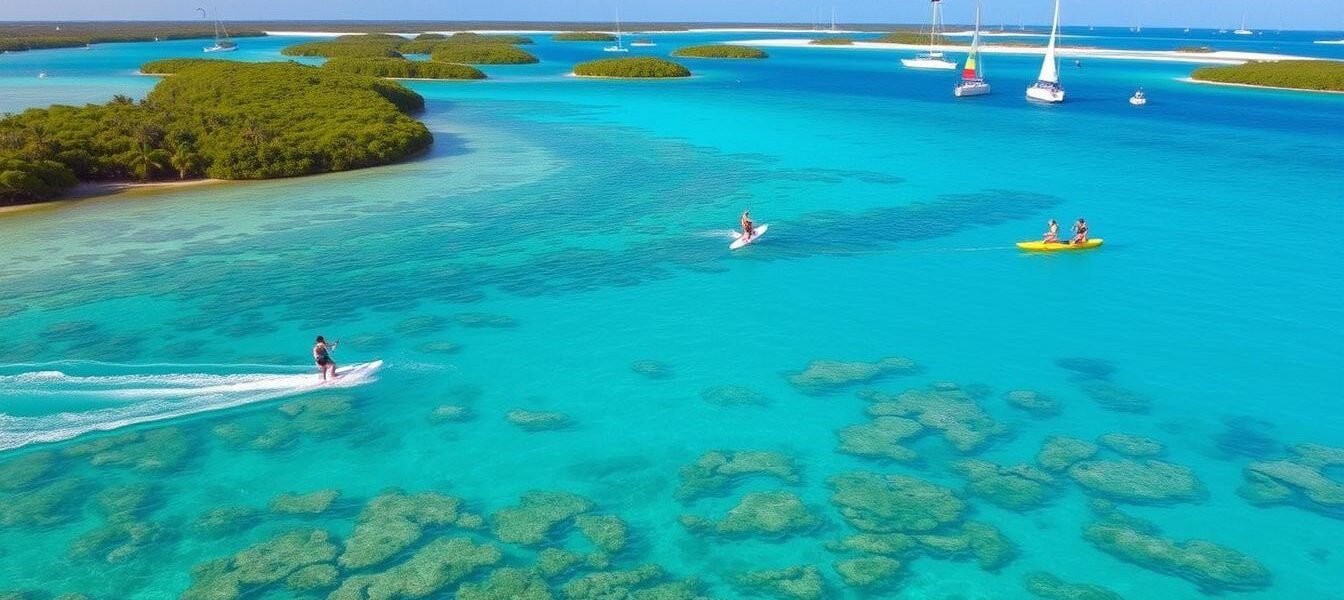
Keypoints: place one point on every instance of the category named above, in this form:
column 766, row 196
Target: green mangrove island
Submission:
column 918, row 39
column 400, row 68
column 583, row 36
column 1318, row 75
column 634, row 67
column 17, row 37
column 720, row 51
column 482, row 54
column 426, row 43
column 213, row 118
column 463, row 48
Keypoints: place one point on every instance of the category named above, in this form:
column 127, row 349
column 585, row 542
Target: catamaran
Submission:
column 618, row 47
column 1243, row 30
column 222, row 41
column 1046, row 88
column 933, row 59
column 972, row 84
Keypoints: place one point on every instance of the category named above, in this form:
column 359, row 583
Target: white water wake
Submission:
column 79, row 404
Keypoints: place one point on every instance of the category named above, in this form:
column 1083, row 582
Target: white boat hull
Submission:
column 221, row 48
column 929, row 63
column 964, row 89
column 1045, row 94
column 615, row 49
column 1138, row 101
column 1244, row 32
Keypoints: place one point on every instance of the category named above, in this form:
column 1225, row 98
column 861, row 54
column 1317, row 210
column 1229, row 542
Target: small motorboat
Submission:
column 1139, row 98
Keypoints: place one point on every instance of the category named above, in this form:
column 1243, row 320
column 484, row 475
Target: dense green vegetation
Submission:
column 720, row 51
column 430, row 36
column 219, row 119
column 482, row 54
column 917, row 38
column 467, row 37
column 402, row 68
column 168, row 66
column 15, row 37
column 427, row 46
column 583, row 36
column 632, row 67
column 832, row 41
column 343, row 48
column 1326, row 75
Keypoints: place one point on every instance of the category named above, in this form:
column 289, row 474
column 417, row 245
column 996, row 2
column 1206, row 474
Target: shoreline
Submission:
column 1221, row 57
column 93, row 190
column 1257, row 87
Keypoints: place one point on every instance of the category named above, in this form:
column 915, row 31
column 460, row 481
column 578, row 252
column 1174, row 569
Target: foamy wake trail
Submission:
column 116, row 401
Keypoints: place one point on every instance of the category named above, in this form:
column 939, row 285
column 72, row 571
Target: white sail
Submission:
column 1050, row 66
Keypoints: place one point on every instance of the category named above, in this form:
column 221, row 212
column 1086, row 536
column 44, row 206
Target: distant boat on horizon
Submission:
column 1047, row 88
column 933, row 59
column 972, row 83
column 1243, row 30
column 618, row 47
column 222, row 41
column 642, row 43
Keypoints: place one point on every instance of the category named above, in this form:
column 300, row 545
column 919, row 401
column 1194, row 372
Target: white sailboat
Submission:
column 972, row 84
column 833, row 29
column 618, row 47
column 222, row 41
column 933, row 59
column 1047, row 88
column 1243, row 30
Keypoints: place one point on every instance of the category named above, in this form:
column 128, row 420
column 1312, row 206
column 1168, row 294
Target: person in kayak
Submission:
column 747, row 229
column 1052, row 232
column 1080, row 232
column 322, row 356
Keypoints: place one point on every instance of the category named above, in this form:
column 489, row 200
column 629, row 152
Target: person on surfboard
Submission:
column 1080, row 231
column 322, row 356
column 1052, row 232
column 747, row 229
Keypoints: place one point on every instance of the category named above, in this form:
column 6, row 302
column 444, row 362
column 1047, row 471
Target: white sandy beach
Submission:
column 1222, row 57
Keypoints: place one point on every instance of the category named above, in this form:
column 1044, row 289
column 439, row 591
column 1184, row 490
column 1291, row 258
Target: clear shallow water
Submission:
column 593, row 215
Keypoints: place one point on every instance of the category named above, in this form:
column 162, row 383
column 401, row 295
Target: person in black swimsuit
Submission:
column 1080, row 232
column 322, row 356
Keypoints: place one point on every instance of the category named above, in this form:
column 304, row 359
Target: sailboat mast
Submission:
column 975, row 45
column 933, row 28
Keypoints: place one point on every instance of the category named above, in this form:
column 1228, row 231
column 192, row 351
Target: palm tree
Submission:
column 148, row 159
column 186, row 160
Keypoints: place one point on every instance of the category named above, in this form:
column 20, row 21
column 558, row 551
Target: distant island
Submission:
column 720, row 51
column 18, row 37
column 213, row 118
column 482, row 54
column 832, row 41
column 463, row 48
column 400, row 68
column 1314, row 75
column 425, row 43
column 634, row 67
column 918, row 39
column 391, row 68
column 583, row 36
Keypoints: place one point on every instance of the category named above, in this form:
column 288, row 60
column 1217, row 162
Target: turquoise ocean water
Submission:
column 561, row 230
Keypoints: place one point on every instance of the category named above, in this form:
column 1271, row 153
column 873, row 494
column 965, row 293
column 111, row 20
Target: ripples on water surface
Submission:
column 568, row 340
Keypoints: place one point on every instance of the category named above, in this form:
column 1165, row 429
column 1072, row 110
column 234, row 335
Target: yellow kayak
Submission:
column 1054, row 246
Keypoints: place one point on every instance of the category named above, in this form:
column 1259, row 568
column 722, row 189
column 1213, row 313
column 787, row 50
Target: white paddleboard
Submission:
column 743, row 240
column 358, row 371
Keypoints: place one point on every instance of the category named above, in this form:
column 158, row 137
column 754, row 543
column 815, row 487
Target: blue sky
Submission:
column 1260, row 14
